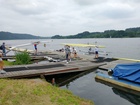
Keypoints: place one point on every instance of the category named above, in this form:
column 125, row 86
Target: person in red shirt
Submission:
column 35, row 46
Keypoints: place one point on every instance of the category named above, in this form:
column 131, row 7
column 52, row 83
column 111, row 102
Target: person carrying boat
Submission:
column 3, row 49
column 35, row 46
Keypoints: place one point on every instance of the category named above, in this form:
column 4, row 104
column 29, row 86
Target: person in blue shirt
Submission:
column 3, row 49
column 35, row 46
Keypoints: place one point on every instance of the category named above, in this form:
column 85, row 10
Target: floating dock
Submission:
column 48, row 69
column 127, row 86
column 81, row 63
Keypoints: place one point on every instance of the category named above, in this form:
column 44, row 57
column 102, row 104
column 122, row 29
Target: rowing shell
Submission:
column 83, row 45
column 20, row 50
column 135, row 60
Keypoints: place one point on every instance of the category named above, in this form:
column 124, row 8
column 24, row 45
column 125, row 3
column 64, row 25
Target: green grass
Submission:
column 36, row 92
column 7, row 63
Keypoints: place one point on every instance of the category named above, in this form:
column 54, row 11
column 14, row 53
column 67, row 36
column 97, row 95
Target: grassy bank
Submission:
column 36, row 92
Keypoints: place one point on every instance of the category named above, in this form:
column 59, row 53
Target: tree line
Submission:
column 127, row 33
column 13, row 36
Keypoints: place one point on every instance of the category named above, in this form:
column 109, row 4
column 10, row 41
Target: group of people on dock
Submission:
column 96, row 52
column 69, row 51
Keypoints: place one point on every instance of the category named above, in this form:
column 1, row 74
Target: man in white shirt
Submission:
column 96, row 52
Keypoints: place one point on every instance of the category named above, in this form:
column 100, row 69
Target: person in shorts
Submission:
column 74, row 52
column 96, row 52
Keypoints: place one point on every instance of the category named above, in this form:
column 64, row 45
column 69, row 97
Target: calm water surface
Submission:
column 84, row 84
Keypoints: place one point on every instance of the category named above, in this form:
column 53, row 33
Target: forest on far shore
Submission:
column 16, row 36
column 127, row 33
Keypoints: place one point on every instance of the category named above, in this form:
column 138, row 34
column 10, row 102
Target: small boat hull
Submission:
column 122, row 84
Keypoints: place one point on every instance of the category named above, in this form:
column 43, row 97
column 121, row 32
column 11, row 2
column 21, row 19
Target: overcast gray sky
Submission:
column 67, row 17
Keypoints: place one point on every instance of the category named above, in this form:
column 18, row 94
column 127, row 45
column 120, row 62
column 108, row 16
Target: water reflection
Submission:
column 128, row 96
column 131, row 96
column 84, row 85
column 65, row 79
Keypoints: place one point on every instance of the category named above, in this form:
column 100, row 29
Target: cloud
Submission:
column 67, row 17
column 25, row 7
column 89, row 2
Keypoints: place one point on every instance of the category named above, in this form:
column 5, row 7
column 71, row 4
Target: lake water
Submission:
column 84, row 84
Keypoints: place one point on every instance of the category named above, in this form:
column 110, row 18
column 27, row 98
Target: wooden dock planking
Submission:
column 87, row 62
column 110, row 62
column 31, row 73
column 67, row 68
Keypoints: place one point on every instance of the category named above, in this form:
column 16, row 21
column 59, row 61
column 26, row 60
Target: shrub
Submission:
column 22, row 58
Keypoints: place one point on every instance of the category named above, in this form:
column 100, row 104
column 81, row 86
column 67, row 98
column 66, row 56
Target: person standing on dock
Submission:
column 3, row 49
column 1, row 64
column 96, row 52
column 35, row 46
column 74, row 52
column 67, row 52
column 70, row 53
